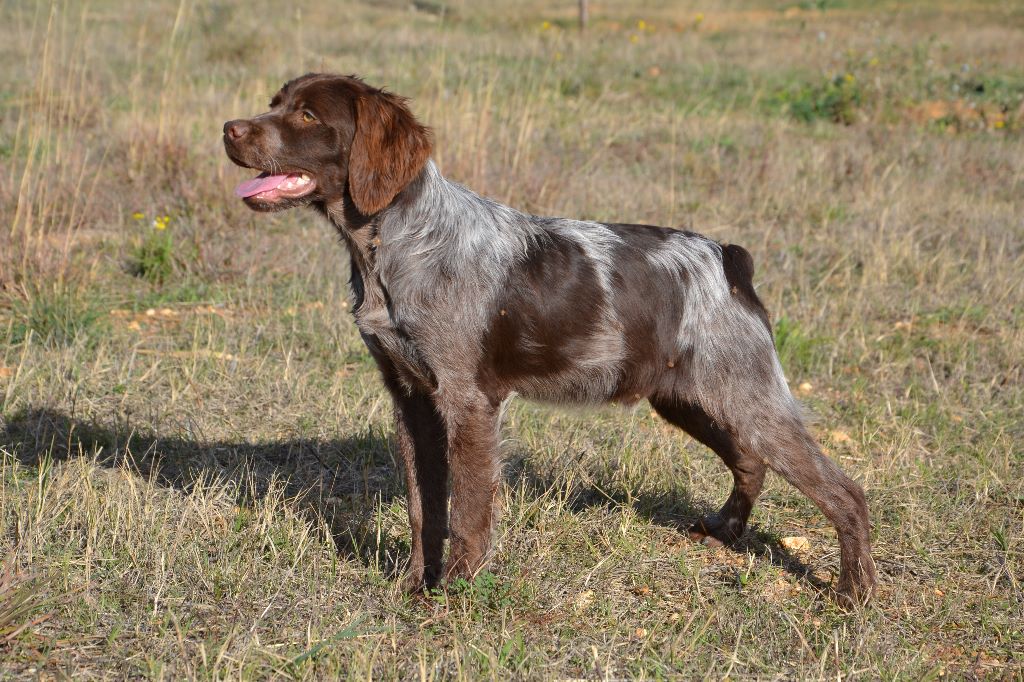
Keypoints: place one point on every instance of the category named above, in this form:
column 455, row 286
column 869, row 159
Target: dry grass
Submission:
column 197, row 477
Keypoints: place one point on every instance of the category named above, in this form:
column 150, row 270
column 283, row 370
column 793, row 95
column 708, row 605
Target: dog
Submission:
column 464, row 302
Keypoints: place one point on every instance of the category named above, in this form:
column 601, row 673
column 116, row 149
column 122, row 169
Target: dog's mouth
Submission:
column 268, row 188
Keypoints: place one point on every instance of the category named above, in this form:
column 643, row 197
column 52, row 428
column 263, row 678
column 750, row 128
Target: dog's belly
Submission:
column 575, row 327
column 616, row 362
column 554, row 373
column 561, row 335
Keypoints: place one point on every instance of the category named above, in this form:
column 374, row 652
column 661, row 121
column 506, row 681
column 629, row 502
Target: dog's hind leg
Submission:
column 747, row 470
column 754, row 424
column 790, row 451
column 764, row 436
column 731, row 395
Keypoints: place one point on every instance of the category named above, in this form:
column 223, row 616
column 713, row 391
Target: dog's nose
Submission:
column 236, row 129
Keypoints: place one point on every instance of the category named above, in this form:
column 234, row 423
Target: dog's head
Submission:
column 328, row 139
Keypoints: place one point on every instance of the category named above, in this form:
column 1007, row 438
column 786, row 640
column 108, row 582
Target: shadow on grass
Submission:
column 675, row 509
column 340, row 481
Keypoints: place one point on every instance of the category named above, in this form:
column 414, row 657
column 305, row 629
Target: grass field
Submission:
column 197, row 476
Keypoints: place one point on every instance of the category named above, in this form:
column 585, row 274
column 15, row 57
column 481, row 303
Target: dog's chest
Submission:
column 391, row 343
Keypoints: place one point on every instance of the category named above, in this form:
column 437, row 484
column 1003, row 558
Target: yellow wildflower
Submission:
column 634, row 38
column 849, row 78
column 699, row 18
column 641, row 25
column 545, row 25
column 138, row 215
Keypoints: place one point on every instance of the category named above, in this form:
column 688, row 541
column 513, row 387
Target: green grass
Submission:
column 56, row 316
column 197, row 473
column 154, row 258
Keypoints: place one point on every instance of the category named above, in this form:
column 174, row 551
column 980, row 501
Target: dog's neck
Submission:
column 433, row 233
column 362, row 236
column 361, row 232
column 358, row 231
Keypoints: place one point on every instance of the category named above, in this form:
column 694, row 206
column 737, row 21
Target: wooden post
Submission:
column 584, row 14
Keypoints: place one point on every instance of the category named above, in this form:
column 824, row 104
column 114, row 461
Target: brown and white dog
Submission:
column 464, row 302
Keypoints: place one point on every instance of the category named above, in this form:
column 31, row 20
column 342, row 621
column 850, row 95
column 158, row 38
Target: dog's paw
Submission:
column 857, row 586
column 714, row 531
column 413, row 582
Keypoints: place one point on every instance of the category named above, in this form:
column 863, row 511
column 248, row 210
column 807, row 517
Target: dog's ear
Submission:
column 389, row 149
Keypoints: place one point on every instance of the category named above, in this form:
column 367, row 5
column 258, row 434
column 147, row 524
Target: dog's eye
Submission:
column 308, row 117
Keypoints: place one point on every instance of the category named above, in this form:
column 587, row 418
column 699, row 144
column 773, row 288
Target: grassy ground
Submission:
column 197, row 477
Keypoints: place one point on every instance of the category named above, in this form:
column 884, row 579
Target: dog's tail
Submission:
column 738, row 265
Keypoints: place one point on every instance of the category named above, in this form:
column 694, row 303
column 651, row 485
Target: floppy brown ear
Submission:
column 389, row 150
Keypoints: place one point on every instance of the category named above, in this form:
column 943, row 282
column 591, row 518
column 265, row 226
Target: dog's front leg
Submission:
column 472, row 423
column 422, row 442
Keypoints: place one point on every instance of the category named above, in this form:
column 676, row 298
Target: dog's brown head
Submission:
column 328, row 139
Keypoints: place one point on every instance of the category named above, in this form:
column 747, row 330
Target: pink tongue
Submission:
column 259, row 184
